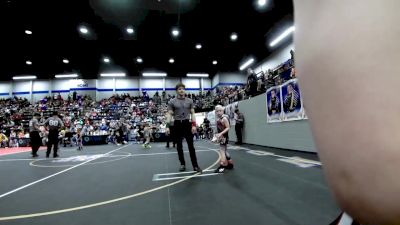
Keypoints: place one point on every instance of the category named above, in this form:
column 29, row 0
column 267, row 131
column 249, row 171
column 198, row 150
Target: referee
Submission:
column 181, row 109
column 54, row 123
column 34, row 130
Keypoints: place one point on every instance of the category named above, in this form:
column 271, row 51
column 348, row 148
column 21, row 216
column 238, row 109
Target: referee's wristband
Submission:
column 194, row 124
column 167, row 125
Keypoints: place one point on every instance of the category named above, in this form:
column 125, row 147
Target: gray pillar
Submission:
column 163, row 84
column 11, row 89
column 140, row 86
column 31, row 90
column 51, row 87
column 115, row 84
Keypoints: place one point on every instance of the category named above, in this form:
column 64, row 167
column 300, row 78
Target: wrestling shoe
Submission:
column 220, row 169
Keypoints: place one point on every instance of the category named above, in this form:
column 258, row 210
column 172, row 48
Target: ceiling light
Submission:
column 171, row 60
column 28, row 32
column 139, row 60
column 66, row 75
column 130, row 30
column 106, row 60
column 112, row 74
column 197, row 75
column 154, row 74
column 261, row 2
column 247, row 64
column 83, row 30
column 215, row 62
column 175, row 32
column 66, row 61
column 198, row 46
column 234, row 37
column 28, row 62
column 24, row 77
column 282, row 36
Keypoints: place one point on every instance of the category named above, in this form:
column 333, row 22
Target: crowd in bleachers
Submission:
column 123, row 117
column 227, row 95
column 256, row 83
column 259, row 83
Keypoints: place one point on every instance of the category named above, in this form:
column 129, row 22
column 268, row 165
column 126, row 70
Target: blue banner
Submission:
column 285, row 103
column 274, row 105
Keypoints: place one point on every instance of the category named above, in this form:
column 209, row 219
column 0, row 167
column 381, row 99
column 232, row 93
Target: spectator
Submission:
column 251, row 82
column 261, row 84
column 239, row 119
column 162, row 127
column 293, row 73
column 74, row 94
column 164, row 97
column 291, row 57
column 157, row 98
column 13, row 139
column 3, row 140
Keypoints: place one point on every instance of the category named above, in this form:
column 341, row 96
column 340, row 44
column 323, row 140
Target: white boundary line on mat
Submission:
column 58, row 173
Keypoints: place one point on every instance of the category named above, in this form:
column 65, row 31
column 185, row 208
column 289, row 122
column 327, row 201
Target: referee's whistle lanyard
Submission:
column 182, row 106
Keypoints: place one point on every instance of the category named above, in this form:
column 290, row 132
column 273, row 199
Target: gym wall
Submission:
column 206, row 84
column 61, row 86
column 293, row 135
column 99, row 88
column 5, row 89
column 105, row 88
column 229, row 79
column 170, row 84
column 275, row 59
column 152, row 85
column 129, row 86
column 192, row 85
column 215, row 82
column 21, row 89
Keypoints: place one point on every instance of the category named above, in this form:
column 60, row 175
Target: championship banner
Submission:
column 274, row 105
column 292, row 104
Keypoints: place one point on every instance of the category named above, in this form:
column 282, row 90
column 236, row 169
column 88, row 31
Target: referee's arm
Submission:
column 193, row 116
column 170, row 112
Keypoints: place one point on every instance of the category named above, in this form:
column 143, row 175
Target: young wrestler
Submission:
column 147, row 135
column 79, row 135
column 223, row 138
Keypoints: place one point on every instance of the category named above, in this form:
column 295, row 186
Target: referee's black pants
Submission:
column 53, row 141
column 183, row 129
column 36, row 141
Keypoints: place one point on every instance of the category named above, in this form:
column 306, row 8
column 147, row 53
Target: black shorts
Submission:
column 224, row 141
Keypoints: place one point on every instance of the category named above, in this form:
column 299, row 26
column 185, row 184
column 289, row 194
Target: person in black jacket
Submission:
column 239, row 118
